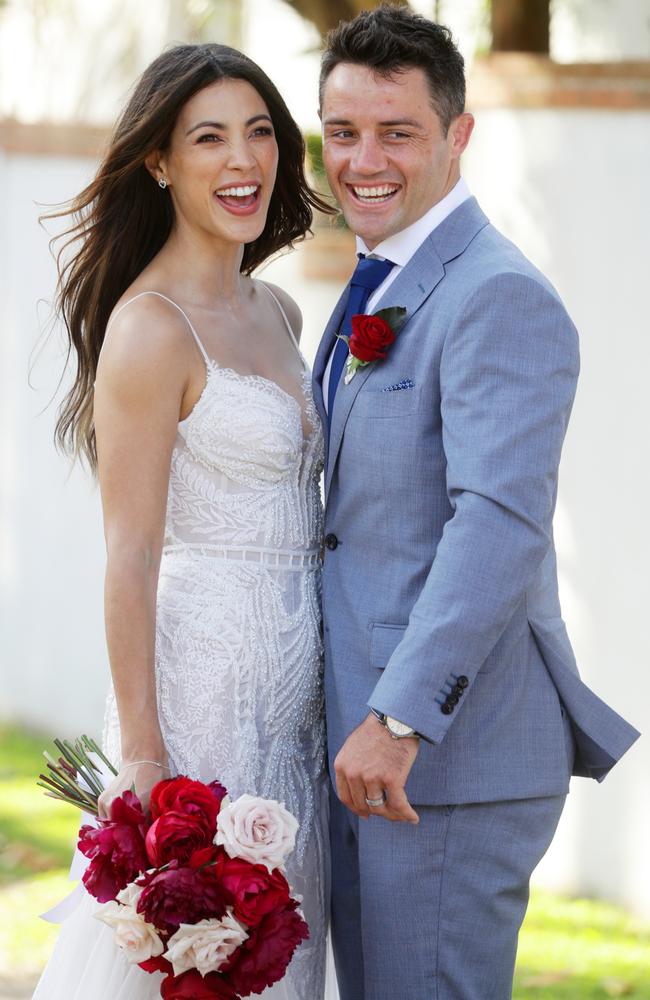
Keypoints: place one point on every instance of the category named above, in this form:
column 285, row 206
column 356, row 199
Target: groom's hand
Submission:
column 371, row 762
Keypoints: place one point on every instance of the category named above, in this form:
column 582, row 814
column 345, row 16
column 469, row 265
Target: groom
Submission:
column 454, row 705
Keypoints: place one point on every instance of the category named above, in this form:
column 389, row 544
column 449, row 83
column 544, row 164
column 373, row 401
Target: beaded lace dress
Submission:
column 238, row 650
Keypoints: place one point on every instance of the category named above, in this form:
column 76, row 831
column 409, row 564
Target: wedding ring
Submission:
column 376, row 803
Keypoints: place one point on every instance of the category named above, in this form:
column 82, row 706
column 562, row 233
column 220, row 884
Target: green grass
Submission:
column 568, row 949
column 37, row 837
column 581, row 950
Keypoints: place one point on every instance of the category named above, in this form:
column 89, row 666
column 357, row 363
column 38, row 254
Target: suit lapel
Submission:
column 324, row 351
column 410, row 289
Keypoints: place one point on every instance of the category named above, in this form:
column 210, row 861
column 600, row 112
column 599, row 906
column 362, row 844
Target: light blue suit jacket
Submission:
column 441, row 497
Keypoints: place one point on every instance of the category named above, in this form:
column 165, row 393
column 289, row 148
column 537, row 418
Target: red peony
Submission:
column 159, row 964
column 180, row 896
column 193, row 986
column 263, row 958
column 218, row 791
column 254, row 890
column 183, row 795
column 176, row 836
column 116, row 848
column 370, row 338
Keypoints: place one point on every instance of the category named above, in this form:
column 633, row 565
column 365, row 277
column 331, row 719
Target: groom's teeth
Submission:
column 237, row 192
column 375, row 193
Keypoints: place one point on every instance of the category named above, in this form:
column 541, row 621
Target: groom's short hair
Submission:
column 390, row 39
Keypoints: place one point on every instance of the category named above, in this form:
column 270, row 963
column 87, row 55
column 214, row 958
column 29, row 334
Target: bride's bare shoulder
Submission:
column 147, row 348
column 290, row 307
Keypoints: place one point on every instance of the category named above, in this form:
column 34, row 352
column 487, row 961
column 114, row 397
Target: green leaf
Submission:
column 395, row 316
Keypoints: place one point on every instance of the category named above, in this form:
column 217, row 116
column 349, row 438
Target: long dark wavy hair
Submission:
column 122, row 219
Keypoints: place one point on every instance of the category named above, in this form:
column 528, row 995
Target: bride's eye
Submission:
column 209, row 137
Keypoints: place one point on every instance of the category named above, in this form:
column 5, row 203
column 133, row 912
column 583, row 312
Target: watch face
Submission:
column 398, row 728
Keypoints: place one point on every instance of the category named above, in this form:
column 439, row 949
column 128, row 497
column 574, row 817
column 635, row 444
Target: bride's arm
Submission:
column 141, row 381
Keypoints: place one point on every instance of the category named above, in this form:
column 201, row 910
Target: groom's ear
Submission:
column 459, row 134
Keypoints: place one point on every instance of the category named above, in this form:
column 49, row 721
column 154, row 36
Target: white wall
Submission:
column 597, row 30
column 51, row 651
column 569, row 187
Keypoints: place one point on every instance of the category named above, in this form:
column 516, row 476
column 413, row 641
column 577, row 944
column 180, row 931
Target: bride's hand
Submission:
column 142, row 775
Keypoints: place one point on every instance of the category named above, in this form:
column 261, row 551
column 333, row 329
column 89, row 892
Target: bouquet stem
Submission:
column 75, row 777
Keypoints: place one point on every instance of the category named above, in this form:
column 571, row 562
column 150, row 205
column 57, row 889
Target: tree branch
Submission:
column 326, row 14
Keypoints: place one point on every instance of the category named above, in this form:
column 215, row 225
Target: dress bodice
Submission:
column 242, row 473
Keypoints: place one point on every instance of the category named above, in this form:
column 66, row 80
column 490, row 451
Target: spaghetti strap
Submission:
column 286, row 320
column 176, row 306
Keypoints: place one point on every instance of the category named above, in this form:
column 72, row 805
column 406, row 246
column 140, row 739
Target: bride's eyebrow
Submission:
column 223, row 128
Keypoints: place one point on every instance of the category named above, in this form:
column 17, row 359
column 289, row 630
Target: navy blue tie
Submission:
column 368, row 275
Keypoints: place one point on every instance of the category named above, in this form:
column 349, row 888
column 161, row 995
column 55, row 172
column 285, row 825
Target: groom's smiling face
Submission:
column 387, row 157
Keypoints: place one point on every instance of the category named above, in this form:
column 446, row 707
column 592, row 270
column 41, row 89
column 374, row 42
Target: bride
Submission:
column 192, row 403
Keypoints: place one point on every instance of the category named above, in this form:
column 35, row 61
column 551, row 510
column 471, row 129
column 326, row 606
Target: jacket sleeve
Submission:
column 508, row 374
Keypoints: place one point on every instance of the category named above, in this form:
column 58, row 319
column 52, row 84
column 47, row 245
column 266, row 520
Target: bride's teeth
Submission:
column 237, row 192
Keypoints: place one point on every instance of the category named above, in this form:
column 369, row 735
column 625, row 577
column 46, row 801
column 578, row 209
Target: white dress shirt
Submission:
column 400, row 248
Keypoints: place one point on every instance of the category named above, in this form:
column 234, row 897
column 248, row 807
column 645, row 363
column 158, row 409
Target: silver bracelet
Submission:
column 155, row 762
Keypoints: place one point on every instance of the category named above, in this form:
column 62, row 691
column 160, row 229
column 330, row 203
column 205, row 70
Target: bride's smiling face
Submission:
column 221, row 163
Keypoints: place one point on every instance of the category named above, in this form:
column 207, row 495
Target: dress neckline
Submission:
column 310, row 411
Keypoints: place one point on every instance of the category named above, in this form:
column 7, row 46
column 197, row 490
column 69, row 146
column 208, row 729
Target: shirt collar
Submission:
column 401, row 246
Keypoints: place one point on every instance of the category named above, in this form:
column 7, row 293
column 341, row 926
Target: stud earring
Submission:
column 162, row 183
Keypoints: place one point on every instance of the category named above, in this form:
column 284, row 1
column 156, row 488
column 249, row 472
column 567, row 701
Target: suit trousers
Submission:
column 433, row 911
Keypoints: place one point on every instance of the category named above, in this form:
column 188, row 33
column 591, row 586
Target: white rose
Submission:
column 261, row 831
column 206, row 945
column 130, row 895
column 137, row 939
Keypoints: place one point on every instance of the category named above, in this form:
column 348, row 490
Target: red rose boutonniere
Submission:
column 371, row 338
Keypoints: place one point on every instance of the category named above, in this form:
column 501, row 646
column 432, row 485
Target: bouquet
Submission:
column 193, row 887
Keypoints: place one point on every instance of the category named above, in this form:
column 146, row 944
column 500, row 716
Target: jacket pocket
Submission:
column 381, row 404
column 384, row 639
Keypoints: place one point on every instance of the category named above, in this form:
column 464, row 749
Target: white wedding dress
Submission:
column 238, row 652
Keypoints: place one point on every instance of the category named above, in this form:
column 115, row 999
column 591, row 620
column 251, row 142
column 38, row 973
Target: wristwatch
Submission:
column 398, row 730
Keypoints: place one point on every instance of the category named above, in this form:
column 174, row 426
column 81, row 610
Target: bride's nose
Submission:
column 241, row 154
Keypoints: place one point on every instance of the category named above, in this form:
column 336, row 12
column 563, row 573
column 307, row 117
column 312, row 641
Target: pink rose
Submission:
column 259, row 830
column 205, row 945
